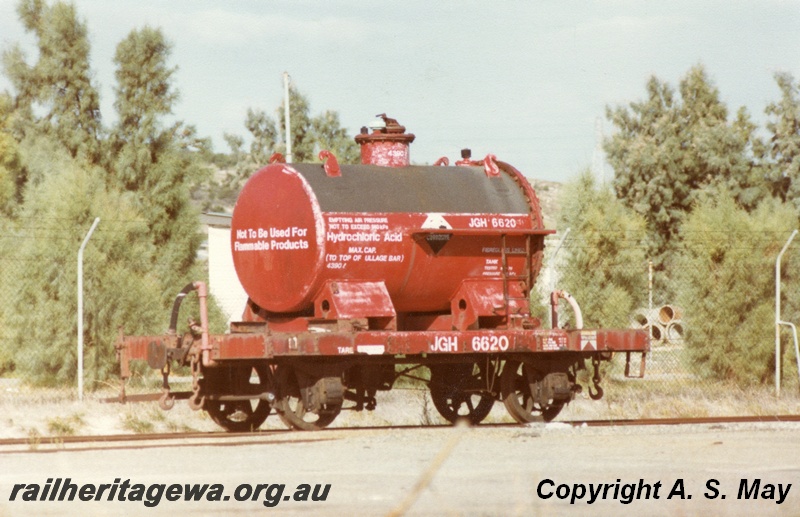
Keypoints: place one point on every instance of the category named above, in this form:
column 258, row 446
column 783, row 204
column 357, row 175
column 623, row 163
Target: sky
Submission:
column 526, row 81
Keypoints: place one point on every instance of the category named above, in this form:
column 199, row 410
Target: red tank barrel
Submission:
column 415, row 234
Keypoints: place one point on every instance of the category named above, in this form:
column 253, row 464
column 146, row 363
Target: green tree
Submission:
column 725, row 284
column 605, row 256
column 263, row 132
column 232, row 171
column 10, row 170
column 145, row 247
column 264, row 135
column 59, row 84
column 144, row 95
column 784, row 144
column 312, row 134
column 309, row 136
column 668, row 149
column 119, row 286
column 158, row 163
column 329, row 134
column 12, row 175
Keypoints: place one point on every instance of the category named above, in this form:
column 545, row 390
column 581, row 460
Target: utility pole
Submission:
column 286, row 117
column 598, row 156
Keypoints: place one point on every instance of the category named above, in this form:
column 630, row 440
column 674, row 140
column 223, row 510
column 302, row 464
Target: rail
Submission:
column 46, row 444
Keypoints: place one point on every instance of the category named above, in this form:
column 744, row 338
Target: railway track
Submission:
column 687, row 421
column 275, row 436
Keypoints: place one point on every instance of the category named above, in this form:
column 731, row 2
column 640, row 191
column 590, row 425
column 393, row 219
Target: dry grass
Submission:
column 640, row 398
column 34, row 413
column 65, row 426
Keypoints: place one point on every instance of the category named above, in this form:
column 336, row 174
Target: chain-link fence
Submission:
column 709, row 310
column 40, row 298
column 711, row 318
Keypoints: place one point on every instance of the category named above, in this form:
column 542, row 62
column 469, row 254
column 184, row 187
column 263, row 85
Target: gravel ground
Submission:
column 378, row 470
column 28, row 413
column 444, row 471
column 33, row 413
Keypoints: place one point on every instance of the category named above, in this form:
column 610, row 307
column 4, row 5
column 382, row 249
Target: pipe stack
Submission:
column 664, row 324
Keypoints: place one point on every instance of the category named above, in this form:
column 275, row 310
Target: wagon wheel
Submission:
column 518, row 383
column 291, row 408
column 458, row 393
column 240, row 379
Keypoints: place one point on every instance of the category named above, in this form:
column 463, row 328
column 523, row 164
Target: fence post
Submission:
column 778, row 321
column 80, row 308
column 649, row 288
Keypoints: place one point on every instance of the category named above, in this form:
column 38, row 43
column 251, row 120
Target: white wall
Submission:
column 224, row 284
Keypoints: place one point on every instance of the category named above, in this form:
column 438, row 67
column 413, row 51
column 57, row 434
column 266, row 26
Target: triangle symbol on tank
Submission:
column 437, row 240
column 436, row 221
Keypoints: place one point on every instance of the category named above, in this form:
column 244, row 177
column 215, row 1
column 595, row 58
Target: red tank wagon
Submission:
column 360, row 274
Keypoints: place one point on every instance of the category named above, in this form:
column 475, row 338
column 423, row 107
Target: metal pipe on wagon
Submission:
column 80, row 307
column 554, row 317
column 205, row 346
column 778, row 321
column 576, row 309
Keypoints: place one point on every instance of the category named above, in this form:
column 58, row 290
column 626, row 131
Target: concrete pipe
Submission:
column 669, row 313
column 640, row 319
column 674, row 332
column 656, row 334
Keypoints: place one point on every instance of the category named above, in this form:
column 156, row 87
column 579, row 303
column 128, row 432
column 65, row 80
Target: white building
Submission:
column 224, row 284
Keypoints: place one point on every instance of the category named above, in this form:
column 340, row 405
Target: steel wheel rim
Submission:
column 290, row 406
column 456, row 403
column 518, row 398
column 241, row 415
